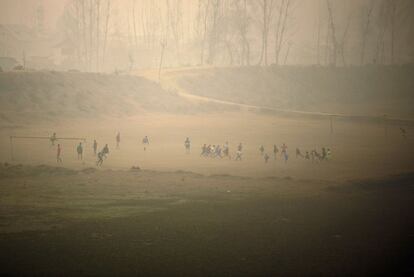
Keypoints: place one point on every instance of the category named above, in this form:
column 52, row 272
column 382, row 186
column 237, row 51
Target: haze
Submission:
column 206, row 137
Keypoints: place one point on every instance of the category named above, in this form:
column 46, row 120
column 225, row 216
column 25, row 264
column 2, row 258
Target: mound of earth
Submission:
column 44, row 95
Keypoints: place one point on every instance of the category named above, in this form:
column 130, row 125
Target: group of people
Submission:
column 314, row 155
column 283, row 152
column 211, row 151
column 101, row 155
column 79, row 150
column 220, row 151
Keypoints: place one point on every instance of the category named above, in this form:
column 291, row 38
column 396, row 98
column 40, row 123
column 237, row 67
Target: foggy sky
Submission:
column 303, row 20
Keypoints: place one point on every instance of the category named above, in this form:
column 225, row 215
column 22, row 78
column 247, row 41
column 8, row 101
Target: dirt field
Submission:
column 183, row 214
column 189, row 215
column 358, row 149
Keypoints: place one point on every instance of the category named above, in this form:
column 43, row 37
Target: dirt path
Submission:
column 170, row 77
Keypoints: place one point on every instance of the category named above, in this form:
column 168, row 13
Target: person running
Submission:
column 59, row 154
column 328, row 154
column 238, row 155
column 79, row 149
column 218, row 151
column 261, row 150
column 298, row 153
column 145, row 142
column 105, row 151
column 266, row 158
column 118, row 140
column 100, row 158
column 213, row 151
column 323, row 153
column 275, row 151
column 204, row 150
column 187, row 145
column 95, row 147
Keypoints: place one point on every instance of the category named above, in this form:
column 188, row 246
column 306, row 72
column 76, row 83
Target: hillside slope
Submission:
column 371, row 91
column 44, row 95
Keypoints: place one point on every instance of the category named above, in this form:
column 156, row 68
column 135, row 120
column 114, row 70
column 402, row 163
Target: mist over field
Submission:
column 206, row 137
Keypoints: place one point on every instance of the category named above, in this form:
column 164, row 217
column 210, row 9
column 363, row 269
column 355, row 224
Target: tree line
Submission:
column 240, row 32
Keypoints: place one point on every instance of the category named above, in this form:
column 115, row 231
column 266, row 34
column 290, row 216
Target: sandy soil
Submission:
column 188, row 215
column 358, row 149
column 182, row 214
column 62, row 221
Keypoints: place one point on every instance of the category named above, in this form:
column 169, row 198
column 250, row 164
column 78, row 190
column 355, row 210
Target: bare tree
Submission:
column 287, row 52
column 134, row 26
column 243, row 28
column 332, row 33
column 204, row 9
column 342, row 42
column 175, row 21
column 98, row 31
column 367, row 12
column 318, row 35
column 108, row 9
column 266, row 7
column 281, row 26
column 213, row 32
column 393, row 14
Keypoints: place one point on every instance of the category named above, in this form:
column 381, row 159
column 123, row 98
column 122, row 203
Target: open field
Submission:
column 358, row 149
column 199, row 216
column 182, row 214
column 151, row 223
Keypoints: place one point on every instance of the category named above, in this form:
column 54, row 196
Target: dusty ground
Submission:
column 358, row 149
column 183, row 214
column 57, row 221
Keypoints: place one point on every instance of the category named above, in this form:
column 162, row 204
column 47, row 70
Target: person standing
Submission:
column 59, row 154
column 95, row 147
column 53, row 138
column 275, row 151
column 240, row 147
column 284, row 152
column 118, row 140
column 79, row 149
column 187, row 145
column 226, row 151
column 261, row 150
